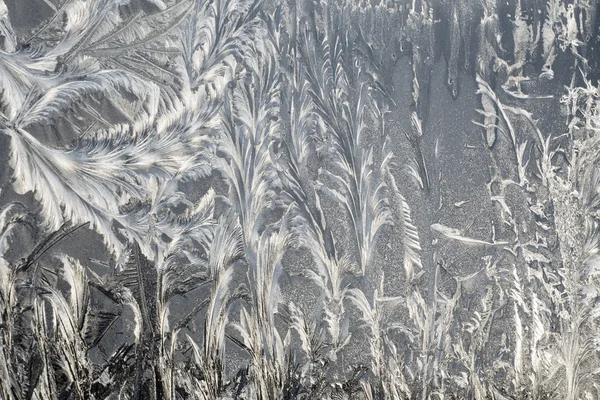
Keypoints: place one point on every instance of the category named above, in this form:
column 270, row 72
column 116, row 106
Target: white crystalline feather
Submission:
column 129, row 300
column 74, row 274
column 80, row 185
column 63, row 192
column 216, row 316
column 226, row 245
column 411, row 242
column 299, row 323
column 369, row 317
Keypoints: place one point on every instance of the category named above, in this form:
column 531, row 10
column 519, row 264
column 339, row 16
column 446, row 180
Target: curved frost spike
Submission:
column 191, row 229
column 226, row 246
column 270, row 248
column 305, row 329
column 410, row 234
column 127, row 298
column 79, row 295
column 217, row 317
column 374, row 205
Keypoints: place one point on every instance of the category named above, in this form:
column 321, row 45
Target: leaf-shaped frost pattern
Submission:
column 215, row 199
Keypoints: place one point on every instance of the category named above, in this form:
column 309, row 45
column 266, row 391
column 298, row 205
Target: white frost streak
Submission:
column 457, row 235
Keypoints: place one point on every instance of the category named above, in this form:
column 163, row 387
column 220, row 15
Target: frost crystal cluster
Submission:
column 297, row 199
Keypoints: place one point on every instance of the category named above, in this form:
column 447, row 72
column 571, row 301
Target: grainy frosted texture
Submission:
column 262, row 199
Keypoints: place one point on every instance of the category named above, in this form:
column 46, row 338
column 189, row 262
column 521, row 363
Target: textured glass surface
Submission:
column 262, row 199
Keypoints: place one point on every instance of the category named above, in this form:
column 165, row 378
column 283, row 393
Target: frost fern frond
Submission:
column 410, row 235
